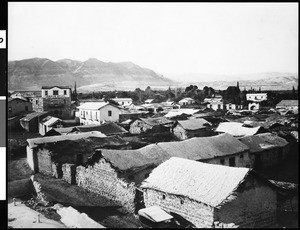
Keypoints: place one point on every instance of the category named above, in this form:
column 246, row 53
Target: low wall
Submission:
column 40, row 194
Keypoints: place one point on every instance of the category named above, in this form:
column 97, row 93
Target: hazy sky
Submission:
column 214, row 38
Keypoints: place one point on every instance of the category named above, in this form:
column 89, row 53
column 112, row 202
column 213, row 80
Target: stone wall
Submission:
column 40, row 194
column 69, row 173
column 254, row 206
column 57, row 170
column 44, row 161
column 201, row 215
column 183, row 134
column 138, row 127
column 103, row 180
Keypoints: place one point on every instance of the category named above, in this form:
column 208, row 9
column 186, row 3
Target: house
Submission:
column 186, row 101
column 191, row 128
column 238, row 129
column 211, row 196
column 17, row 106
column 125, row 102
column 108, row 129
column 266, row 149
column 216, row 105
column 288, row 105
column 43, row 154
column 96, row 113
column 222, row 149
column 256, row 97
column 115, row 175
column 141, row 125
column 230, row 106
column 149, row 101
column 48, row 123
column 216, row 98
column 57, row 101
column 31, row 121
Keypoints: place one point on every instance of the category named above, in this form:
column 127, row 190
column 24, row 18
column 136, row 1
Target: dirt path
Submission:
column 20, row 216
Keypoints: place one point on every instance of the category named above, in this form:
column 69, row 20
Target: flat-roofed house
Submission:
column 96, row 113
column 186, row 101
column 211, row 196
column 125, row 102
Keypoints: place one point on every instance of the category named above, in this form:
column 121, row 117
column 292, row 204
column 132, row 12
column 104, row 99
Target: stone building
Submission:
column 49, row 123
column 142, row 125
column 211, row 195
column 17, row 106
column 57, row 101
column 266, row 149
column 43, row 153
column 115, row 175
column 192, row 128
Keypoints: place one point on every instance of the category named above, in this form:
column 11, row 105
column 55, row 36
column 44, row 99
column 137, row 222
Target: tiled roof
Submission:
column 194, row 124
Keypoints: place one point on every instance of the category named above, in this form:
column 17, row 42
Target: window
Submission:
column 181, row 201
column 222, row 161
column 109, row 113
column 46, row 92
column 55, row 92
column 65, row 92
column 36, row 102
column 164, row 197
column 241, row 156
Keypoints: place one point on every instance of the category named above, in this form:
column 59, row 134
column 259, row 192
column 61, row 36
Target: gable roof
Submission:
column 156, row 121
column 108, row 128
column 261, row 142
column 49, row 120
column 129, row 160
column 30, row 116
column 17, row 98
column 197, row 148
column 288, row 103
column 207, row 183
column 177, row 112
column 236, row 129
column 194, row 124
column 61, row 87
column 95, row 105
column 34, row 142
column 187, row 99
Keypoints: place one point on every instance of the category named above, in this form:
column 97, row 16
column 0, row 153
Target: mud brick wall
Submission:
column 201, row 215
column 138, row 127
column 103, row 180
column 57, row 170
column 69, row 173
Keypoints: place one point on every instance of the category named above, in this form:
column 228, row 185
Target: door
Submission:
column 232, row 161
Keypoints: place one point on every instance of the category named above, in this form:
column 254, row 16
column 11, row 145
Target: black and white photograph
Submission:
column 152, row 115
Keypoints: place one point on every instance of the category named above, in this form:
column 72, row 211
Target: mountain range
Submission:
column 92, row 74
column 95, row 75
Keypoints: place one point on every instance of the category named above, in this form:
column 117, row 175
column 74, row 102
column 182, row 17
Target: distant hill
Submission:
column 267, row 81
column 31, row 74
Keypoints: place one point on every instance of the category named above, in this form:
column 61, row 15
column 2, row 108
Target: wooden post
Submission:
column 14, row 200
column 38, row 218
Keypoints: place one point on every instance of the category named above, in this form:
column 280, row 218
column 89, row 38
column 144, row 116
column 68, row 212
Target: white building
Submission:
column 186, row 101
column 256, row 97
column 95, row 113
column 123, row 101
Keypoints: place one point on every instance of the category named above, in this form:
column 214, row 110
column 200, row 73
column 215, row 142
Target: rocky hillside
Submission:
column 92, row 74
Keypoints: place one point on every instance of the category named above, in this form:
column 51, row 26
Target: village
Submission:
column 180, row 158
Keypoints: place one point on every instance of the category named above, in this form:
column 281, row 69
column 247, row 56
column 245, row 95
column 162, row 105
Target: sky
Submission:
column 169, row 38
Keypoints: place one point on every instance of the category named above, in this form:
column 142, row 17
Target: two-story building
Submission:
column 95, row 113
column 255, row 99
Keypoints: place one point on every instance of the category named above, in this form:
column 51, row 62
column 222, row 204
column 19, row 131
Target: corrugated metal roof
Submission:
column 207, row 183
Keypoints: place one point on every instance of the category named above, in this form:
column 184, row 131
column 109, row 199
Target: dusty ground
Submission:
column 20, row 216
